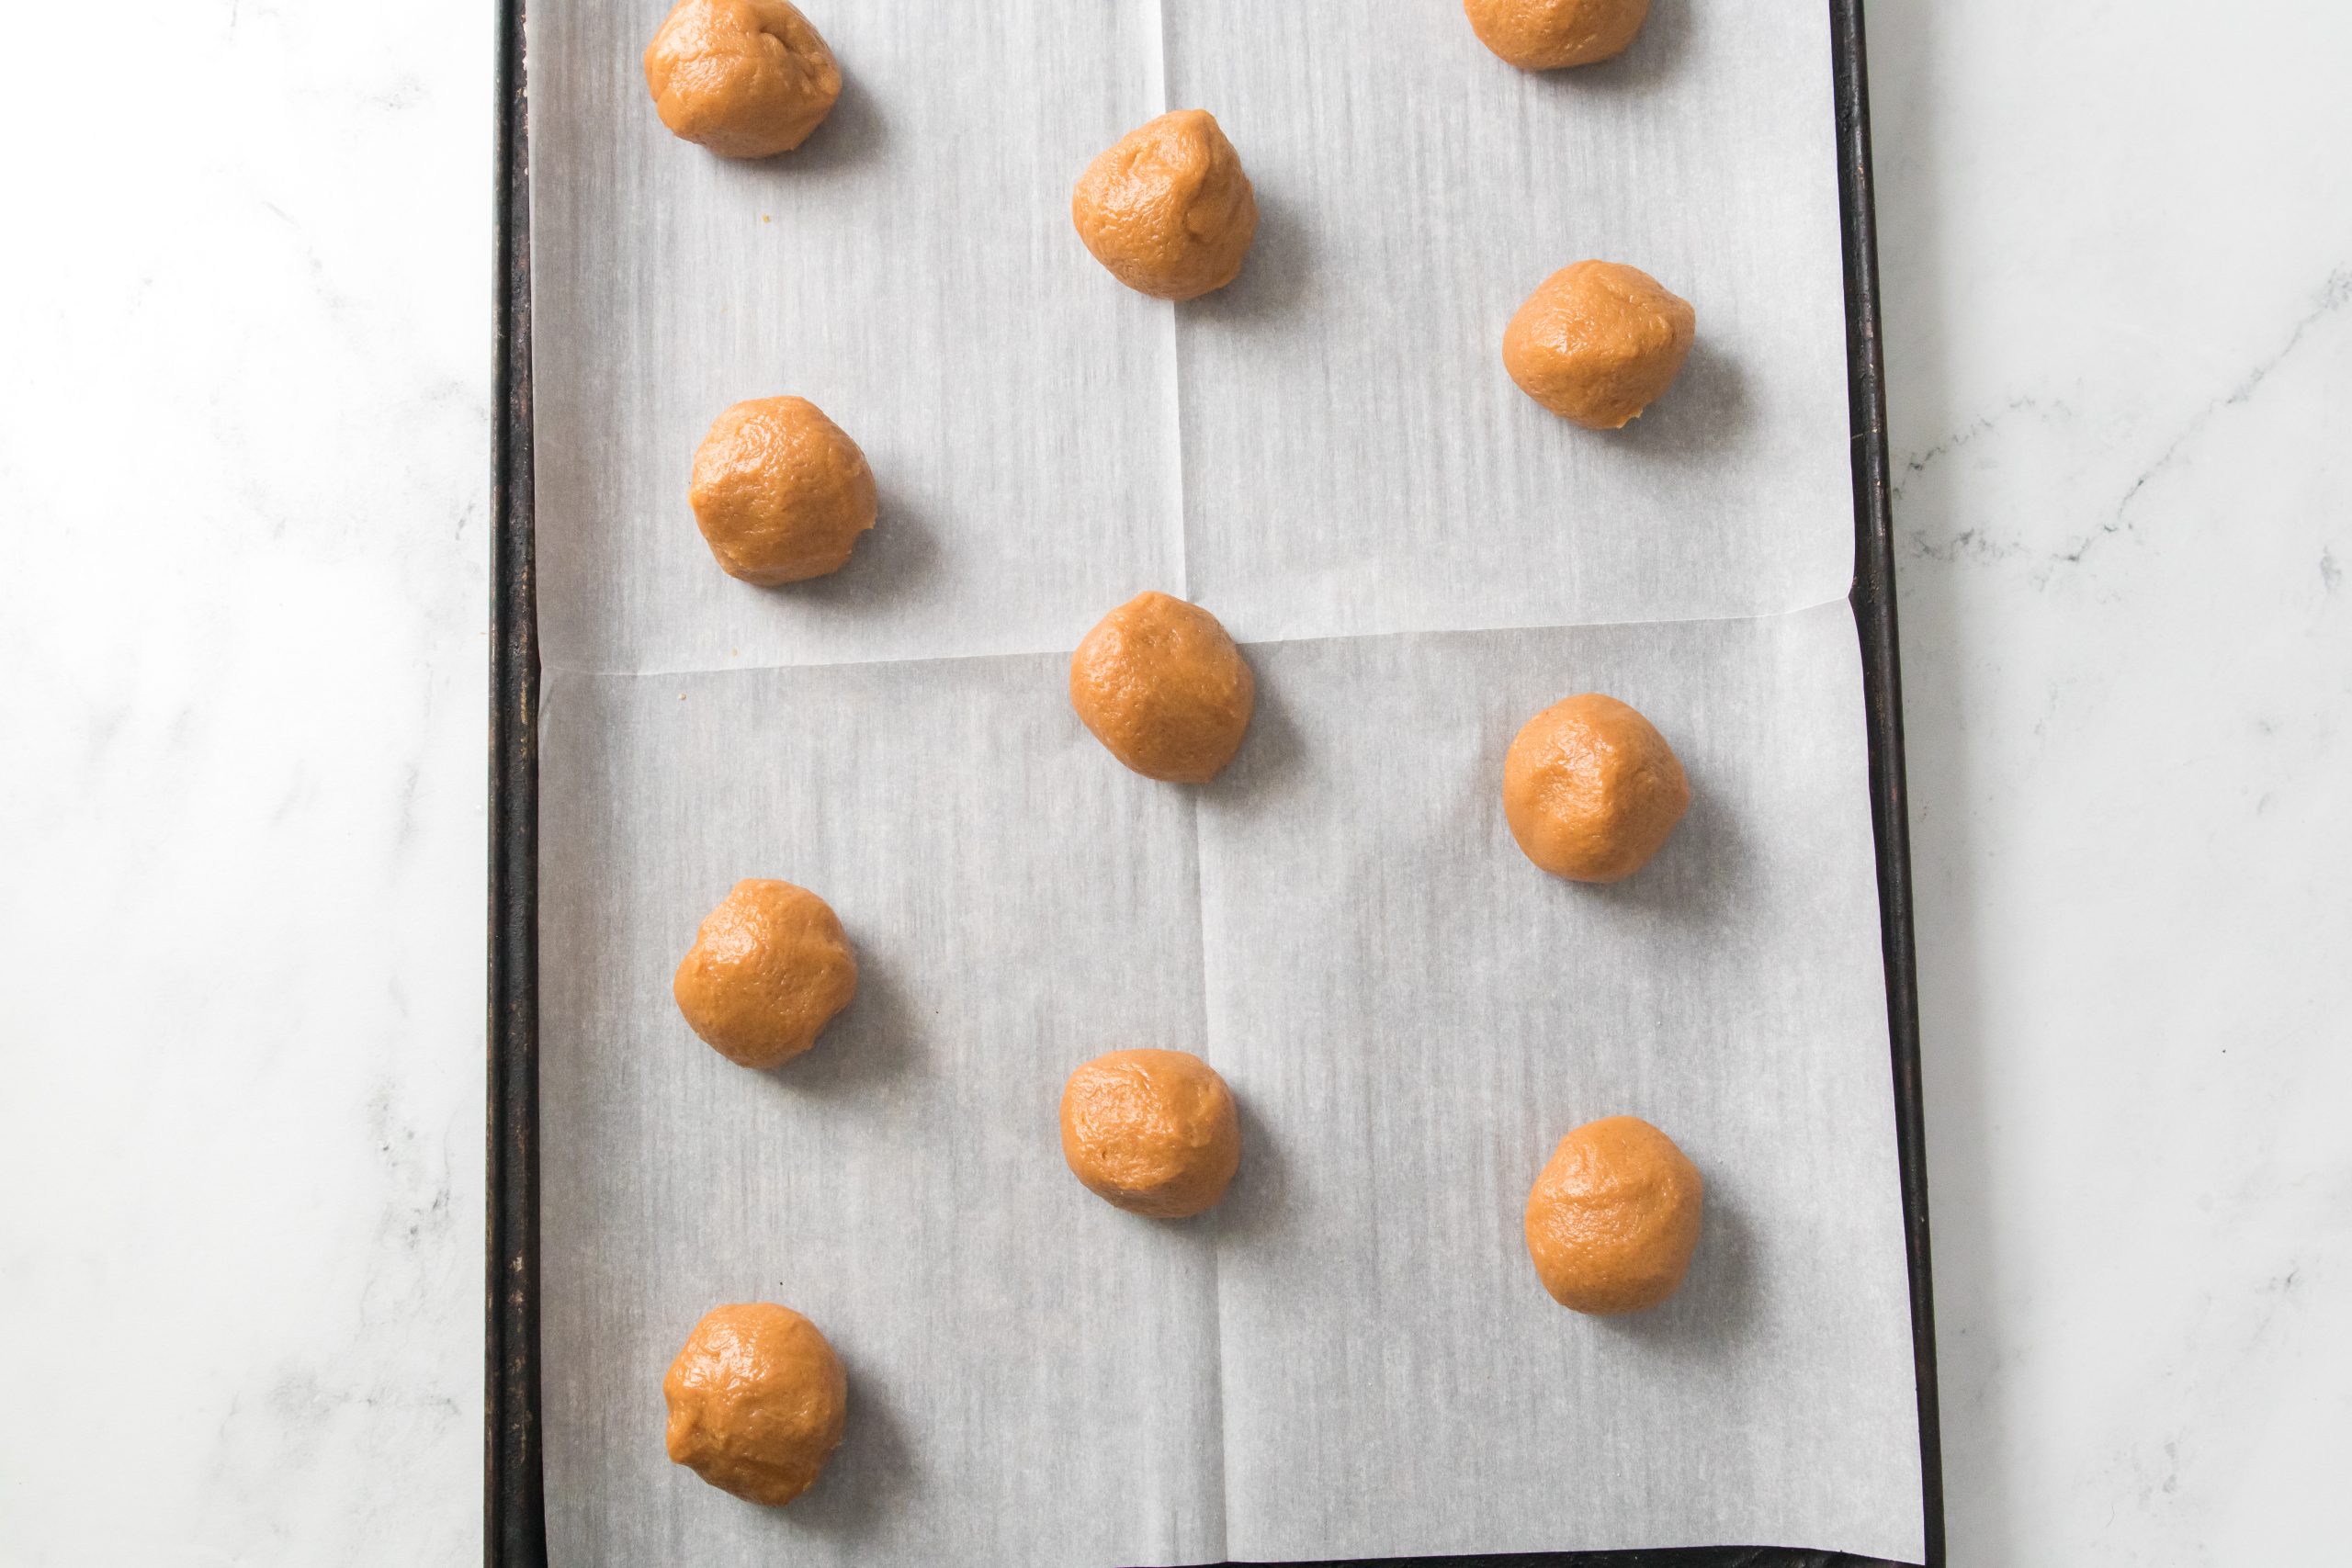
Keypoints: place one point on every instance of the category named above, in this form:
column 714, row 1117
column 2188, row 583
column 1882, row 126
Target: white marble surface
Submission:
column 2118, row 261
column 243, row 396
column 244, row 393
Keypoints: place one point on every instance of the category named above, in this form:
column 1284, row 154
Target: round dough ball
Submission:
column 1612, row 1220
column 1163, row 687
column 780, row 493
column 1544, row 35
column 746, row 78
column 768, row 970
column 1167, row 208
column 1591, row 790
column 1152, row 1131
column 1597, row 343
column 757, row 1399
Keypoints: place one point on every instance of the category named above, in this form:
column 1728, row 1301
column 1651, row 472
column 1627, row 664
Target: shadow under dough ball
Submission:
column 1164, row 689
column 1598, row 342
column 757, row 1402
column 780, row 493
column 1154, row 1133
column 1614, row 1219
column 1545, row 34
column 1167, row 208
column 1591, row 790
column 745, row 78
column 770, row 967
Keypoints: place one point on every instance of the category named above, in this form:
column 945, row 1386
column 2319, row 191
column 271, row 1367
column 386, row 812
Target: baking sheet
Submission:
column 1351, row 1357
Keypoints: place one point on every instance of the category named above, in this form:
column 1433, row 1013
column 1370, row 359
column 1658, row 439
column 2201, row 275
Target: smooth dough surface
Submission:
column 1614, row 1219
column 780, row 493
column 1167, row 207
column 1545, row 34
column 745, row 78
column 757, row 1402
column 768, row 970
column 1163, row 687
column 1591, row 790
column 1598, row 342
column 1153, row 1131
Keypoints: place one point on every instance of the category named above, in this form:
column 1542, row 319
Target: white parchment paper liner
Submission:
column 1351, row 1357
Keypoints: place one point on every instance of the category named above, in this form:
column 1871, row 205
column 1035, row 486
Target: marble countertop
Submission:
column 244, row 452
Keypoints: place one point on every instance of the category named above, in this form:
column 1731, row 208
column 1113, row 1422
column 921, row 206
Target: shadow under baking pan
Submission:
column 1649, row 1557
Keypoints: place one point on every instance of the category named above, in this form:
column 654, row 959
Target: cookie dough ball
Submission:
column 757, row 1399
column 1591, row 790
column 746, row 78
column 768, row 970
column 1597, row 343
column 780, row 493
column 1152, row 1131
column 1162, row 686
column 1167, row 208
column 1544, row 35
column 1612, row 1220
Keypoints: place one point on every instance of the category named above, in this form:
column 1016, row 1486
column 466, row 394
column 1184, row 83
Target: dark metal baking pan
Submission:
column 514, row 1522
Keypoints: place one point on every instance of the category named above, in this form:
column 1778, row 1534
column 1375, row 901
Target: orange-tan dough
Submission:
column 1545, row 34
column 745, row 78
column 1598, row 342
column 1591, row 790
column 1167, row 207
column 1164, row 688
column 1153, row 1131
column 768, row 970
column 757, row 1402
column 1613, row 1218
column 780, row 493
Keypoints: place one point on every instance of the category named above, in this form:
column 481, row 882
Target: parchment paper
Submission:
column 1351, row 1357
